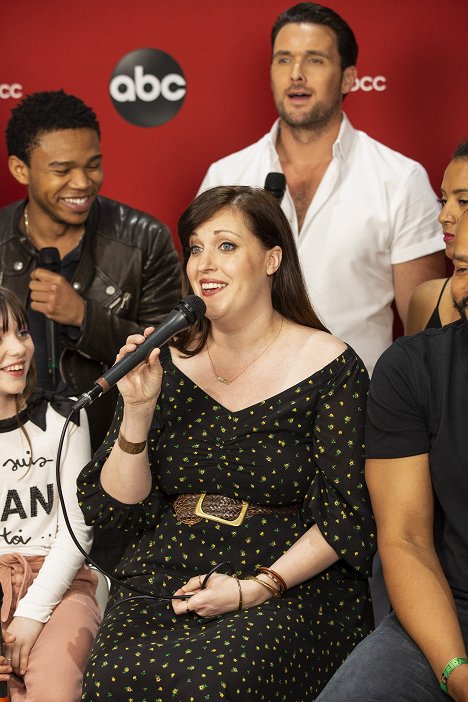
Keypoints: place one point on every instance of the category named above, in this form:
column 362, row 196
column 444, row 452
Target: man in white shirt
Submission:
column 364, row 216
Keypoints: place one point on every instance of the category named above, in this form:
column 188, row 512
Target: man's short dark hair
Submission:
column 461, row 151
column 40, row 113
column 318, row 14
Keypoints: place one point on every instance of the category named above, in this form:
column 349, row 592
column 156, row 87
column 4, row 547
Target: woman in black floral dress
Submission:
column 242, row 444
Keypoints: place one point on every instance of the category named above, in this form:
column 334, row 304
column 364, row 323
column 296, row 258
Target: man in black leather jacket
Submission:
column 118, row 269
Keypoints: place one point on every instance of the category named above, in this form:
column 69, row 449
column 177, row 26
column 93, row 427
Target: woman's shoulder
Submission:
column 316, row 340
column 423, row 302
column 312, row 349
column 429, row 289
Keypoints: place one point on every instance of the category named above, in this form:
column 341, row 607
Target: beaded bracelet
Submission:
column 236, row 578
column 273, row 575
column 272, row 588
column 451, row 665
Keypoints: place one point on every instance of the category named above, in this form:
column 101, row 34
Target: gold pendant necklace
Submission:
column 225, row 381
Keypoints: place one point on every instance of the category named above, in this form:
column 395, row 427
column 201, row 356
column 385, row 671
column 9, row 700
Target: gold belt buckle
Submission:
column 199, row 511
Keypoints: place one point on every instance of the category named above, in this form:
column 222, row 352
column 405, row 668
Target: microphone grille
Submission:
column 49, row 258
column 193, row 307
column 275, row 183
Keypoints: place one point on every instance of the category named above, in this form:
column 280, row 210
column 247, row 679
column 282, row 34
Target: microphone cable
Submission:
column 141, row 594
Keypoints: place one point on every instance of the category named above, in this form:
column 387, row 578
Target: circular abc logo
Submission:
column 147, row 87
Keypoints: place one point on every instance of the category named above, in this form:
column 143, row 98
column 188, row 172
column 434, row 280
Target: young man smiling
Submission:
column 117, row 268
column 364, row 216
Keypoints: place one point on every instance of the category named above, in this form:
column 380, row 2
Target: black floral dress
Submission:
column 304, row 445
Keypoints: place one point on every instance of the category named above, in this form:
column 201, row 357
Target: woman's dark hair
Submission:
column 266, row 220
column 9, row 303
column 461, row 151
column 312, row 13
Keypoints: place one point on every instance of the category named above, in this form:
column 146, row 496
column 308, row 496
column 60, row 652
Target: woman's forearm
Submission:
column 125, row 476
column 308, row 556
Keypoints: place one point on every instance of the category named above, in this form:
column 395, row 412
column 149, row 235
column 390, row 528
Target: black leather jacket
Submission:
column 128, row 274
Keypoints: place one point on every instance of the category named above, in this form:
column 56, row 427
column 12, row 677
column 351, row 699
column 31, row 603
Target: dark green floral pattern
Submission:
column 304, row 445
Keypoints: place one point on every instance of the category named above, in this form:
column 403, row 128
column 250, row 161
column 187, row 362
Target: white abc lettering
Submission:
column 15, row 90
column 146, row 79
column 380, row 83
column 133, row 88
column 147, row 87
column 367, row 83
column 173, row 79
column 127, row 95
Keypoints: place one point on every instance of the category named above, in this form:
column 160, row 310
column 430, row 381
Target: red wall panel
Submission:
column 223, row 50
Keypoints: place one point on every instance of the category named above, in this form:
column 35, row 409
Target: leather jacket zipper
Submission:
column 121, row 303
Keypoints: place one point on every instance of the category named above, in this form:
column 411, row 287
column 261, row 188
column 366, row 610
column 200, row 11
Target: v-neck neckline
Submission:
column 271, row 398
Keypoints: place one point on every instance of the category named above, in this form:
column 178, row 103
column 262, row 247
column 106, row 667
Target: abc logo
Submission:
column 367, row 83
column 147, row 87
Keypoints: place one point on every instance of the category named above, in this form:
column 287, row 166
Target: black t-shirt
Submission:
column 418, row 403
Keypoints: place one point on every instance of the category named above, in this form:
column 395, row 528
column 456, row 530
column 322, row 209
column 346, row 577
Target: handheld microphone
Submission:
column 275, row 183
column 49, row 258
column 4, row 694
column 185, row 314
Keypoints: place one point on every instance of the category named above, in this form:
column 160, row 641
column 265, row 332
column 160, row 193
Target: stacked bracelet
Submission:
column 272, row 588
column 236, row 577
column 451, row 665
column 130, row 446
column 277, row 579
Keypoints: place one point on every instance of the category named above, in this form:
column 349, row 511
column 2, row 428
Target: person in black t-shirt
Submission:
column 417, row 474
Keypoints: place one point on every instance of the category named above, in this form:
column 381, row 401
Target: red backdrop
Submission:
column 223, row 50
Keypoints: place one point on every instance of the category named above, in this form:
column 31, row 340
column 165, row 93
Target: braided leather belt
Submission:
column 192, row 508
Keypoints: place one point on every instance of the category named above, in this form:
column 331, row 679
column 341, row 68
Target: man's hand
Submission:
column 53, row 295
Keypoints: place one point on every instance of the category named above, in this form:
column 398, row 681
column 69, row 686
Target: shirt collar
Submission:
column 344, row 140
column 37, row 409
column 271, row 140
column 341, row 146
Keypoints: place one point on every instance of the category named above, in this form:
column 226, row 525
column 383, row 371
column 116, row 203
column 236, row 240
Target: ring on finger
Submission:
column 200, row 581
column 189, row 611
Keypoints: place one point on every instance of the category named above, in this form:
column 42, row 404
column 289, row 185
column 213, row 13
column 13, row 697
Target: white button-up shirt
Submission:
column 374, row 208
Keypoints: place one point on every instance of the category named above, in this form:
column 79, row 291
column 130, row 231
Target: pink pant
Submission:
column 59, row 656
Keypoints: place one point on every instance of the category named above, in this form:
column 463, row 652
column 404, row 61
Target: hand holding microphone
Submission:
column 141, row 385
column 185, row 314
column 52, row 294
